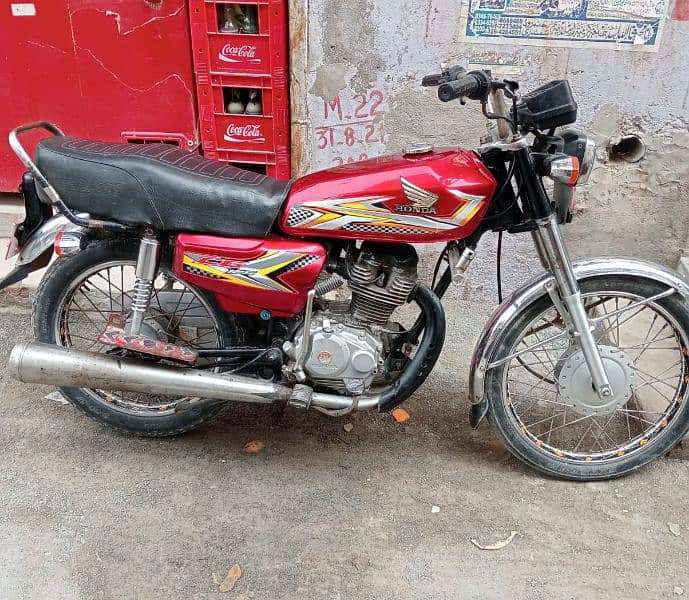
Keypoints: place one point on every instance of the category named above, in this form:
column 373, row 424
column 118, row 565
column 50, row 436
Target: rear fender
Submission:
column 37, row 249
column 35, row 212
column 489, row 341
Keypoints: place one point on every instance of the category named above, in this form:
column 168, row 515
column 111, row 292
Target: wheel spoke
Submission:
column 656, row 379
column 540, row 399
column 566, row 424
column 583, row 437
column 602, row 431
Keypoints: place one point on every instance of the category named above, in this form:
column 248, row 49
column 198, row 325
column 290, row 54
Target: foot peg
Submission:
column 115, row 335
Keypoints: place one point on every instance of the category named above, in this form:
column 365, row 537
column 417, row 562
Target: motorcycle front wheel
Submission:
column 73, row 303
column 541, row 401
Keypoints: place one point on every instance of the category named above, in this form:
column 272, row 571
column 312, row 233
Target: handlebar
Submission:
column 472, row 86
column 456, row 83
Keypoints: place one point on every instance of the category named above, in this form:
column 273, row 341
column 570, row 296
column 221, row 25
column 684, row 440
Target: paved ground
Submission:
column 86, row 513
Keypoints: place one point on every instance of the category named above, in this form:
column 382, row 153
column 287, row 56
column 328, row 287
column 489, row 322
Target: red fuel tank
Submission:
column 432, row 197
column 250, row 275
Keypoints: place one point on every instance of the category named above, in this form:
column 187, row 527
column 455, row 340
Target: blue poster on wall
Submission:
column 623, row 24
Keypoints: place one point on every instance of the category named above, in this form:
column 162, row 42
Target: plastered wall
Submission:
column 356, row 94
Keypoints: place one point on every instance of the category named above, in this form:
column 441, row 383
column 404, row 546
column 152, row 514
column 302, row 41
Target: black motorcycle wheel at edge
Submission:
column 558, row 434
column 71, row 308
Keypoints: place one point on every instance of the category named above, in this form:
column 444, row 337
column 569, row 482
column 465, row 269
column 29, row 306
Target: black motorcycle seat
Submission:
column 160, row 185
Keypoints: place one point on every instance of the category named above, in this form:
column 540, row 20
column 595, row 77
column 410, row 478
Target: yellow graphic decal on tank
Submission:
column 369, row 213
column 259, row 273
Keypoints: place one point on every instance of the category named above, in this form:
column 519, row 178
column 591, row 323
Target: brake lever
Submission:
column 446, row 76
column 433, row 80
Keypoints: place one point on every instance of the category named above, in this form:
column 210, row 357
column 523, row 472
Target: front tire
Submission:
column 541, row 422
column 82, row 276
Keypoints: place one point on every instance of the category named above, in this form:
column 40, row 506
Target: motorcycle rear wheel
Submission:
column 71, row 308
column 545, row 424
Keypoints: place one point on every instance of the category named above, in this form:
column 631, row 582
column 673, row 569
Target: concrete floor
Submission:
column 86, row 513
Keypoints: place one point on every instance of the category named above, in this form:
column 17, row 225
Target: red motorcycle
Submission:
column 182, row 284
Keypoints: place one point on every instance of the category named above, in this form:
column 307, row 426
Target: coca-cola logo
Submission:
column 238, row 54
column 244, row 133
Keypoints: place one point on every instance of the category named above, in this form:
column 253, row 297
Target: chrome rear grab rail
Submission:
column 23, row 155
column 45, row 185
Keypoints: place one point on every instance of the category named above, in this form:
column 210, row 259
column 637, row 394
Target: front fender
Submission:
column 507, row 312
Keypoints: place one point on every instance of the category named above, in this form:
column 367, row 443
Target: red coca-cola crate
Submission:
column 245, row 52
column 246, row 62
column 240, row 53
column 222, row 85
column 267, row 163
column 244, row 133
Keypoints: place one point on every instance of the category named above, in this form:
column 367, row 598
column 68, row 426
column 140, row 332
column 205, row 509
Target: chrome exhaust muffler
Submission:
column 35, row 362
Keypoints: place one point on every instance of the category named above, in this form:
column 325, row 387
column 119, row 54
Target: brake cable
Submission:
column 498, row 267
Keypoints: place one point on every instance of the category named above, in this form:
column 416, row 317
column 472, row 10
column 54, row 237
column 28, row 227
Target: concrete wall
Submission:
column 363, row 63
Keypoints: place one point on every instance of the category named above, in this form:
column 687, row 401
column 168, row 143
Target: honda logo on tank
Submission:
column 244, row 133
column 237, row 54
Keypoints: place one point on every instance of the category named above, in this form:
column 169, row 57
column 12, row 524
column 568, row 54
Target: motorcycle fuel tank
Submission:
column 250, row 275
column 431, row 197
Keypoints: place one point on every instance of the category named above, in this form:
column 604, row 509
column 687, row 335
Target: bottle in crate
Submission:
column 235, row 106
column 228, row 19
column 253, row 106
column 242, row 85
column 250, row 24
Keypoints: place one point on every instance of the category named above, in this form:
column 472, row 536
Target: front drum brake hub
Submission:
column 576, row 388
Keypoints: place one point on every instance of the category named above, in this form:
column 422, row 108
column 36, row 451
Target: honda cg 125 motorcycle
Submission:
column 182, row 284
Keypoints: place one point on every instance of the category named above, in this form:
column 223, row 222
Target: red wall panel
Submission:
column 681, row 10
column 107, row 69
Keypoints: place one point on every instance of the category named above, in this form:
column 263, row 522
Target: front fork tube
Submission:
column 566, row 296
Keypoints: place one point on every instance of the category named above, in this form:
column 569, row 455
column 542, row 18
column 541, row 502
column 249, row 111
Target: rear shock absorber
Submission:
column 146, row 267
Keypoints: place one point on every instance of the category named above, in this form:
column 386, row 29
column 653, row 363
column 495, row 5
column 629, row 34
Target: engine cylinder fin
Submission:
column 381, row 282
column 375, row 305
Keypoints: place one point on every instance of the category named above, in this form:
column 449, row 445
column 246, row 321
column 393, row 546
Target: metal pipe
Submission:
column 34, row 362
column 498, row 106
column 459, row 262
column 557, row 256
column 560, row 265
column 305, row 346
column 335, row 402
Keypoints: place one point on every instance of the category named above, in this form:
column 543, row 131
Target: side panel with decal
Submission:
column 251, row 275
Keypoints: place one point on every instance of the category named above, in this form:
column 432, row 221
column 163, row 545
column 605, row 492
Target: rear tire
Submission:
column 48, row 305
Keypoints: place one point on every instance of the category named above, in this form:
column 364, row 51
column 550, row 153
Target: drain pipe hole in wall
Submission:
column 629, row 148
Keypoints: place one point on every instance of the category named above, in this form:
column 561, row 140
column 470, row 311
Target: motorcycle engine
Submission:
column 343, row 357
column 348, row 347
